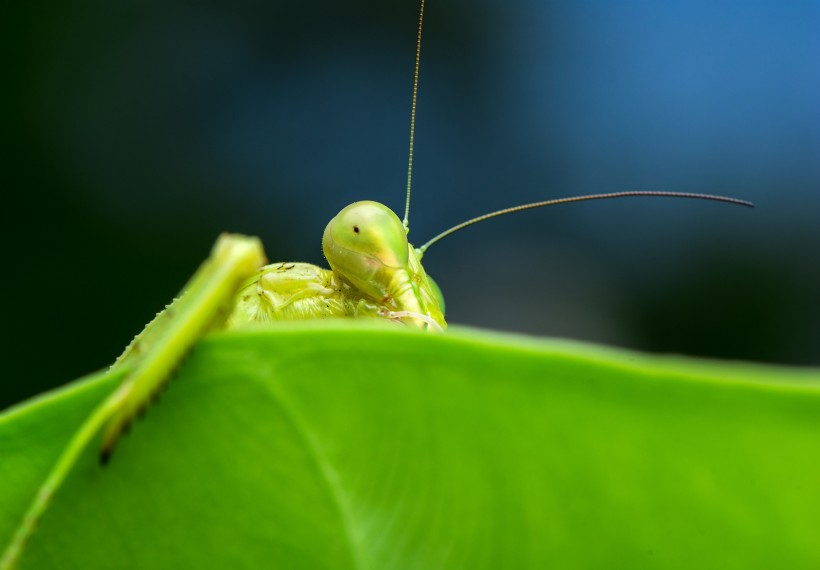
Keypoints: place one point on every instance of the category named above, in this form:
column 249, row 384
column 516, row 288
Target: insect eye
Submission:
column 364, row 233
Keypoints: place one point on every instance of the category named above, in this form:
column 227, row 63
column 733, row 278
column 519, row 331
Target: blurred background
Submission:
column 135, row 132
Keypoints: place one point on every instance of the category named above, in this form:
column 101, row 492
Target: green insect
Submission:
column 374, row 273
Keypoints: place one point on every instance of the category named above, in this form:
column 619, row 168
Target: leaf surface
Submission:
column 342, row 445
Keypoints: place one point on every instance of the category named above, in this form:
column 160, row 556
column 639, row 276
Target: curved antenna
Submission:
column 420, row 251
column 406, row 221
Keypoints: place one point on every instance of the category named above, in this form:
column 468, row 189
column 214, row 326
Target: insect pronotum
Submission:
column 374, row 273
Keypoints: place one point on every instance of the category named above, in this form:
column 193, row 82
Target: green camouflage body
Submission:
column 299, row 291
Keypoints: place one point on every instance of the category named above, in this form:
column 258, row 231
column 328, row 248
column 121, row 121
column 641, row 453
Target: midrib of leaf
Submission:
column 329, row 476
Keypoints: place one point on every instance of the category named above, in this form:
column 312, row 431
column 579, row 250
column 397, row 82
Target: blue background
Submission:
column 135, row 132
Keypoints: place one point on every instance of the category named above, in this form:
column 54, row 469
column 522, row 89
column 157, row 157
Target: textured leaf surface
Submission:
column 348, row 446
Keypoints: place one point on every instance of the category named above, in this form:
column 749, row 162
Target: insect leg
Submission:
column 205, row 305
column 148, row 363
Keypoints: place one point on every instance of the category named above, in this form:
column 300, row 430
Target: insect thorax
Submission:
column 288, row 291
column 300, row 291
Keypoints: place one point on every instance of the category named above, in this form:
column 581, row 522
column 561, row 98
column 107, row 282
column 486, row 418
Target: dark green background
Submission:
column 135, row 132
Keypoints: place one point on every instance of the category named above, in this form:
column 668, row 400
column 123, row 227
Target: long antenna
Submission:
column 406, row 221
column 420, row 251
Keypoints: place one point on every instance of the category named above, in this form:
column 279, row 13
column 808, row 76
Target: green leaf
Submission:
column 343, row 445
